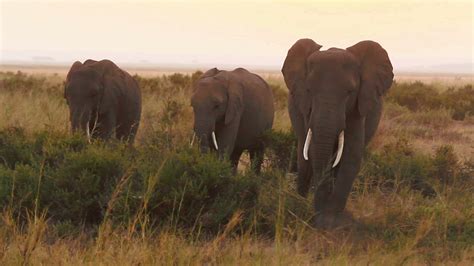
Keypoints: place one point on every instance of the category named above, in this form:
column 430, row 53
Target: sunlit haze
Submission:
column 418, row 35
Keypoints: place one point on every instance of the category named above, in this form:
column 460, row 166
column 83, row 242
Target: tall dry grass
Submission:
column 396, row 223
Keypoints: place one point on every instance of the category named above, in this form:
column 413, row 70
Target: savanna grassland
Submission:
column 64, row 201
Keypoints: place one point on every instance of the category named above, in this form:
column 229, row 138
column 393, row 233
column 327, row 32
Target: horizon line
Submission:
column 181, row 67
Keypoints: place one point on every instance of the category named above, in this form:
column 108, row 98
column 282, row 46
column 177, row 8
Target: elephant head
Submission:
column 83, row 92
column 217, row 102
column 330, row 86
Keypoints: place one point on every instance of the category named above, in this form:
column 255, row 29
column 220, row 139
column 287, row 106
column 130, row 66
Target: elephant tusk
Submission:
column 214, row 140
column 88, row 133
column 306, row 144
column 340, row 147
column 192, row 140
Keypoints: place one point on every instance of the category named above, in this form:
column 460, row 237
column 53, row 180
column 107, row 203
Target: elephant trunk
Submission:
column 80, row 122
column 206, row 135
column 322, row 152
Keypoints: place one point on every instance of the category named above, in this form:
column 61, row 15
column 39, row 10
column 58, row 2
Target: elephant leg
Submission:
column 234, row 159
column 127, row 132
column 256, row 158
column 106, row 126
column 122, row 132
column 303, row 180
column 305, row 172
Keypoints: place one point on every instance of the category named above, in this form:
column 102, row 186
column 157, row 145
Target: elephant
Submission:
column 232, row 111
column 335, row 104
column 104, row 101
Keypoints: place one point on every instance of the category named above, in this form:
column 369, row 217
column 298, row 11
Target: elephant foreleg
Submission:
column 127, row 132
column 106, row 126
column 256, row 158
column 234, row 159
column 303, row 181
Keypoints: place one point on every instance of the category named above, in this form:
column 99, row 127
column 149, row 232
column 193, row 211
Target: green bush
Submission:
column 460, row 100
column 59, row 173
column 84, row 182
column 415, row 96
column 281, row 149
column 18, row 187
column 201, row 188
column 418, row 96
column 14, row 147
column 29, row 85
column 19, row 81
column 167, row 85
column 446, row 164
column 398, row 163
column 75, row 181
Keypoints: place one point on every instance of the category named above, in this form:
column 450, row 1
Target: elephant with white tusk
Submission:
column 232, row 110
column 335, row 105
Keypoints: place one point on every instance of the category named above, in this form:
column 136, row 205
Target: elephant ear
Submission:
column 77, row 65
column 376, row 73
column 294, row 68
column 234, row 101
column 210, row 73
column 295, row 71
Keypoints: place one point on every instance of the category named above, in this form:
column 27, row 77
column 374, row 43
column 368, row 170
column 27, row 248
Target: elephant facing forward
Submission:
column 104, row 100
column 335, row 105
column 232, row 110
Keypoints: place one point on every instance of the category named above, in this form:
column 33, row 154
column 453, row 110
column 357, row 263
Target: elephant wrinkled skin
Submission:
column 104, row 101
column 232, row 110
column 335, row 105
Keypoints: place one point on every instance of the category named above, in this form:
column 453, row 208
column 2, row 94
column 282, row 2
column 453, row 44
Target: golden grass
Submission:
column 399, row 227
column 382, row 214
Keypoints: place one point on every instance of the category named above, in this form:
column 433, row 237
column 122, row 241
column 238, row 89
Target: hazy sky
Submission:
column 416, row 34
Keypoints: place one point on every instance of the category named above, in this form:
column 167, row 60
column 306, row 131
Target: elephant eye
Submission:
column 216, row 106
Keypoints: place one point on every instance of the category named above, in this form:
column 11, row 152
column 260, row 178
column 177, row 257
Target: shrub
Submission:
column 446, row 164
column 84, row 182
column 418, row 96
column 20, row 82
column 13, row 147
column 76, row 181
column 415, row 96
column 167, row 86
column 460, row 100
column 18, row 187
column 281, row 149
column 200, row 188
column 398, row 163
